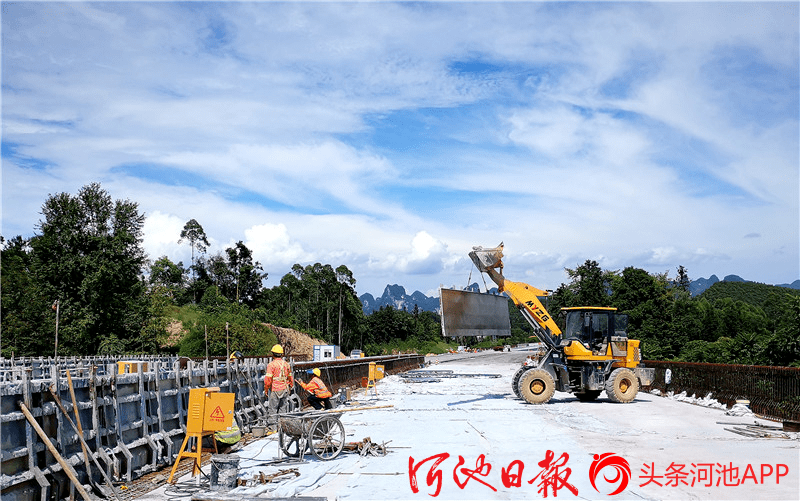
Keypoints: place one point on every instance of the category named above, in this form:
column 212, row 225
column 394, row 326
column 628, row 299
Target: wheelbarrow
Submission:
column 315, row 432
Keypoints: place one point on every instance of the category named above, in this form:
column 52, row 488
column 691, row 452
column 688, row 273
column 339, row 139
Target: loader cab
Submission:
column 594, row 327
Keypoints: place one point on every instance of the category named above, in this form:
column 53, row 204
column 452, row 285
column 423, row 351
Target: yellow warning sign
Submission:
column 218, row 413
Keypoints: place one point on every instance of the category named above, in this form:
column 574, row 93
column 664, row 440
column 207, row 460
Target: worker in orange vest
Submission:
column 320, row 396
column 278, row 383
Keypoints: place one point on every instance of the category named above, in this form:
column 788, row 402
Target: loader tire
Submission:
column 536, row 386
column 515, row 379
column 622, row 386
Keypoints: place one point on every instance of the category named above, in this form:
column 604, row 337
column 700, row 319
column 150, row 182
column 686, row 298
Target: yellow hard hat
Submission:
column 277, row 349
column 316, row 372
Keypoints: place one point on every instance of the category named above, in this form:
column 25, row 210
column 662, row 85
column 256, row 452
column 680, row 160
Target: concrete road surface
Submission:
column 471, row 438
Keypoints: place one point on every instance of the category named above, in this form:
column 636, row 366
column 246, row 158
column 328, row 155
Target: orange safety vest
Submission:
column 279, row 376
column 316, row 387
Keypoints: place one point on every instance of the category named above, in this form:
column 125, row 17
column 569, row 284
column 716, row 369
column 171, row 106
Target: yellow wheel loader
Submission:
column 593, row 354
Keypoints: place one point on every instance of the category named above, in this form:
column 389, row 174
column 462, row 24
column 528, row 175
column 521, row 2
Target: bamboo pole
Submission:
column 66, row 466
column 338, row 410
column 83, row 443
column 360, row 408
column 77, row 421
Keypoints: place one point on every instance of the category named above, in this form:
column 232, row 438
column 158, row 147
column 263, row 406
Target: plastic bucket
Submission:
column 224, row 472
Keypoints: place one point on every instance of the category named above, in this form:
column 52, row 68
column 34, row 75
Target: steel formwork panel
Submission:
column 133, row 423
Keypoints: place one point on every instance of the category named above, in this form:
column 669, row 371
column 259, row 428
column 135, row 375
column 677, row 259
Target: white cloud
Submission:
column 273, row 247
column 161, row 234
column 393, row 137
column 427, row 255
column 294, row 174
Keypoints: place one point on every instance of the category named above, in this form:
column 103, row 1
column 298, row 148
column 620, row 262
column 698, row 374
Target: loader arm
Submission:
column 524, row 296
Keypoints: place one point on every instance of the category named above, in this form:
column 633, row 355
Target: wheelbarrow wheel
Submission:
column 326, row 437
column 292, row 446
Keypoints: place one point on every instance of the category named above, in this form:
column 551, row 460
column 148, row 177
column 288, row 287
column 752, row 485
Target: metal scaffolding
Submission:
column 773, row 392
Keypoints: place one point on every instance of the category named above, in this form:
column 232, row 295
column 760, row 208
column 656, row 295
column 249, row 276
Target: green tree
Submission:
column 317, row 299
column 279, row 303
column 28, row 322
column 737, row 317
column 169, row 276
column 225, row 326
column 635, row 287
column 589, row 286
column 346, row 289
column 154, row 332
column 387, row 324
column 88, row 256
column 682, row 281
column 350, row 318
column 238, row 277
column 686, row 316
column 427, row 325
column 389, row 331
column 246, row 273
column 783, row 347
column 194, row 234
column 645, row 298
column 220, row 275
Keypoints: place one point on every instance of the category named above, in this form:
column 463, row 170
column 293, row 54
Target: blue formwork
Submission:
column 132, row 423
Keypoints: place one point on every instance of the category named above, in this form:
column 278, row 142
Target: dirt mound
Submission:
column 175, row 332
column 295, row 343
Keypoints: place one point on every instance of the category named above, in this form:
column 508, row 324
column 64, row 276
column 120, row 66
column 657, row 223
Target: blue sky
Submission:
column 394, row 137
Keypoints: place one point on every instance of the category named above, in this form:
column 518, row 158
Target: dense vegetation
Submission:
column 736, row 322
column 85, row 276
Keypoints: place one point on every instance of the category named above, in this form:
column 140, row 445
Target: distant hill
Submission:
column 397, row 297
column 793, row 285
column 762, row 295
column 697, row 287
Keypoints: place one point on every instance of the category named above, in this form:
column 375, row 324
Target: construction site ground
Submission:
column 469, row 437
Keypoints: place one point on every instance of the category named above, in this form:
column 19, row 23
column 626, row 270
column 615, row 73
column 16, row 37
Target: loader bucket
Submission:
column 486, row 259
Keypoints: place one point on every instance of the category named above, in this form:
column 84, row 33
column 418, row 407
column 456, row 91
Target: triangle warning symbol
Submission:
column 217, row 414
